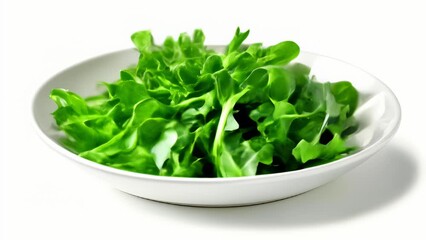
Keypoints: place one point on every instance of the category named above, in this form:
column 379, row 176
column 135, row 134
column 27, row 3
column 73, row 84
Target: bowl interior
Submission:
column 378, row 112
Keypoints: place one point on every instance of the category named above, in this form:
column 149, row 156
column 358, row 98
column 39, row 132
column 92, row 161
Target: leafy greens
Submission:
column 185, row 110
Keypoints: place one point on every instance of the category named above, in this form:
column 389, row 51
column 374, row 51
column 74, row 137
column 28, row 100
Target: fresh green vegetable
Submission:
column 185, row 110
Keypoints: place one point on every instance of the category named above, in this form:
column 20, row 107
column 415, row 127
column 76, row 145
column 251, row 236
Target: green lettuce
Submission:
column 185, row 110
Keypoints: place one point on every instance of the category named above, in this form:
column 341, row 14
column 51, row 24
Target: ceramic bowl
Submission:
column 378, row 114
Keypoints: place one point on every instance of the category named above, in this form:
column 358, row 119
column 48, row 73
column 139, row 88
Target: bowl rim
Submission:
column 364, row 152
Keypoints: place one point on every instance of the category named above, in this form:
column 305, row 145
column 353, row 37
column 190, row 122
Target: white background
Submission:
column 44, row 196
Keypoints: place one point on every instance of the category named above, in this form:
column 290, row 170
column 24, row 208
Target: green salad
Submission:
column 186, row 110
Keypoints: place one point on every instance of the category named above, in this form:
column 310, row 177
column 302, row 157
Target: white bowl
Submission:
column 378, row 113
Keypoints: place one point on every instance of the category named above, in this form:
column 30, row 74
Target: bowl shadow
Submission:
column 379, row 182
